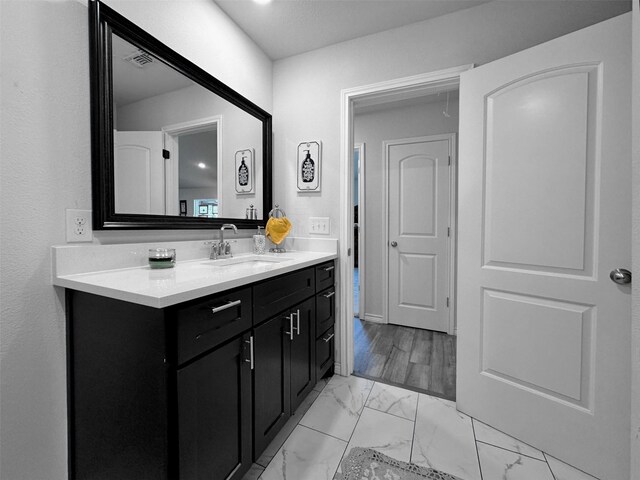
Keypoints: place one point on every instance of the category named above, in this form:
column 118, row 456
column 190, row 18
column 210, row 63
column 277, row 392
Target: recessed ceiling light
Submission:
column 202, row 165
column 262, row 2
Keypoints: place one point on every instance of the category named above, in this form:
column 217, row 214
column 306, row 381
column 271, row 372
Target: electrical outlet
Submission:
column 319, row 225
column 79, row 225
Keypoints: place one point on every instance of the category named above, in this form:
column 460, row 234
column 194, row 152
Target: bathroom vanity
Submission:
column 196, row 388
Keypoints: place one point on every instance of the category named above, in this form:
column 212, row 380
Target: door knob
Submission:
column 621, row 276
column 394, row 244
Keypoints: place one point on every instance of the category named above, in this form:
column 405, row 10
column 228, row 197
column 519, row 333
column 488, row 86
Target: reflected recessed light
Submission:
column 202, row 165
column 262, row 2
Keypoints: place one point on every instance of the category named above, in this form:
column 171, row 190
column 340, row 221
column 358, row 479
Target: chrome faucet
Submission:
column 221, row 249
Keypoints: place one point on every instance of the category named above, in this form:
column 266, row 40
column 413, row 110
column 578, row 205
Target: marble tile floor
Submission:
column 346, row 412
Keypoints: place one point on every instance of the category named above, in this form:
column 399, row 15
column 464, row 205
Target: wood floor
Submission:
column 415, row 359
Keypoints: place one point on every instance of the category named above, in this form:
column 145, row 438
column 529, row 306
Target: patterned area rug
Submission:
column 368, row 464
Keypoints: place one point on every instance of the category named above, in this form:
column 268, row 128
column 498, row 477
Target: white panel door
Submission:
column 544, row 216
column 139, row 173
column 418, row 242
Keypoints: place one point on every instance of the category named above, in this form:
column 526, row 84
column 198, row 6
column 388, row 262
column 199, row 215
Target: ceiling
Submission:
column 317, row 23
column 133, row 83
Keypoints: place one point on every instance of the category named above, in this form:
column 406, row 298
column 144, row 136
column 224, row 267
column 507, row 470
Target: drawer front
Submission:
column 325, row 275
column 325, row 310
column 208, row 322
column 280, row 293
column 325, row 349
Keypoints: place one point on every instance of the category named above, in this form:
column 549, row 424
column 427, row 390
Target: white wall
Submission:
column 45, row 167
column 45, row 155
column 372, row 129
column 307, row 87
column 240, row 131
column 635, row 253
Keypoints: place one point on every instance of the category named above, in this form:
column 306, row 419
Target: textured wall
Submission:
column 45, row 168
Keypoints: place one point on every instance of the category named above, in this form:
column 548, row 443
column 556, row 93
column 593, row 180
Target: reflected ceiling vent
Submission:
column 139, row 58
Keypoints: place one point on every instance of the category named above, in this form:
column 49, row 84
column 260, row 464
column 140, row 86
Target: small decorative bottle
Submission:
column 259, row 243
column 243, row 174
column 308, row 168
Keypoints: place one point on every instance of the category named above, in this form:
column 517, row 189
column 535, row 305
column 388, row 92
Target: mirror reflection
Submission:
column 180, row 149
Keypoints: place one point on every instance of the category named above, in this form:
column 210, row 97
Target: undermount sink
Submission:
column 254, row 260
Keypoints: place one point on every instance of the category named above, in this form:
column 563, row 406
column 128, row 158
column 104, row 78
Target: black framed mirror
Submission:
column 172, row 146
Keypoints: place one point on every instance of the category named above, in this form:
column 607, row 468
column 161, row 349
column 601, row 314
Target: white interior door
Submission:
column 418, row 211
column 544, row 216
column 139, row 173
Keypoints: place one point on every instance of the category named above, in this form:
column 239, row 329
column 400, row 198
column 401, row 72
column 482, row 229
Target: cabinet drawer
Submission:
column 325, row 310
column 280, row 293
column 325, row 275
column 203, row 324
column 325, row 349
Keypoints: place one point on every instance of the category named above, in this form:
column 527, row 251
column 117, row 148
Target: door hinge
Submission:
column 348, row 252
column 166, row 154
column 448, row 231
column 447, row 302
column 449, row 161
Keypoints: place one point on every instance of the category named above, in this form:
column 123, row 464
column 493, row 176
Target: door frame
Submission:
column 391, row 90
column 361, row 148
column 451, row 243
column 171, row 165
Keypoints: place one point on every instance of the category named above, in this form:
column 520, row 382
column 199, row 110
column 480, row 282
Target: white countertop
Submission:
column 187, row 280
column 159, row 288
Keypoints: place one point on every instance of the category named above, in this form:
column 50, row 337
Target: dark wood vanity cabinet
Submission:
column 196, row 390
column 214, row 413
column 325, row 318
column 285, row 369
column 160, row 393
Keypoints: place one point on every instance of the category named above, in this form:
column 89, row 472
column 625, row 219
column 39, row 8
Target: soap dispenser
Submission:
column 259, row 243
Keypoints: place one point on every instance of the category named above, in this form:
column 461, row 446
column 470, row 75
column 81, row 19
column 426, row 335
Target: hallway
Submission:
column 419, row 360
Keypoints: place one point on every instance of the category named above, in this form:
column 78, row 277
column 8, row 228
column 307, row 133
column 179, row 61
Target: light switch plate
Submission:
column 319, row 225
column 79, row 225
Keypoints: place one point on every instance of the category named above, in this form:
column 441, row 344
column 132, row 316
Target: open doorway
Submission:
column 193, row 168
column 403, row 245
column 358, row 226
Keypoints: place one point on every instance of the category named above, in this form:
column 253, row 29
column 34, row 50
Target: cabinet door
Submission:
column 214, row 414
column 303, row 353
column 325, row 351
column 272, row 401
column 325, row 313
column 325, row 275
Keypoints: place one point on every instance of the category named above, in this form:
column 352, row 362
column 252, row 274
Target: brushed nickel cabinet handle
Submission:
column 329, row 295
column 251, row 359
column 328, row 269
column 225, row 306
column 290, row 332
column 298, row 321
column 325, row 340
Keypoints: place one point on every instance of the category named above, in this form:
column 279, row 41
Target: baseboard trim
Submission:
column 369, row 317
